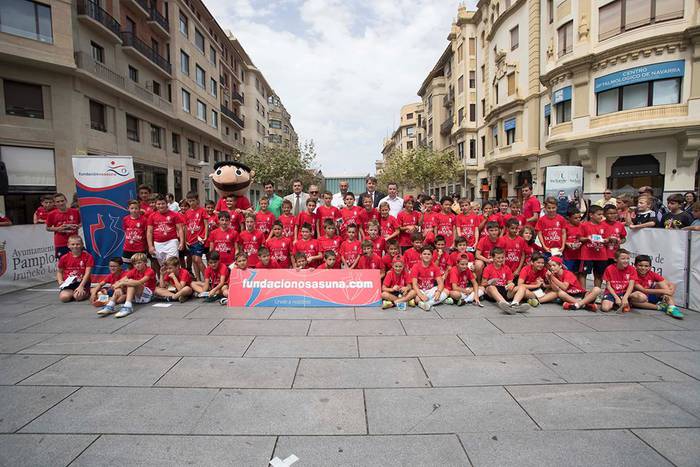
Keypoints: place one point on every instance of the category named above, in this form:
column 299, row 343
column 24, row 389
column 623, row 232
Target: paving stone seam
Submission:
column 274, row 448
column 669, row 340
column 85, row 449
column 420, row 362
column 147, row 341
column 505, row 388
column 671, row 366
column 212, row 329
column 466, row 345
column 63, row 357
column 48, row 336
column 364, row 405
column 634, row 433
column 296, row 371
column 464, row 448
column 42, row 413
column 248, row 348
column 572, row 343
column 167, row 371
column 308, row 330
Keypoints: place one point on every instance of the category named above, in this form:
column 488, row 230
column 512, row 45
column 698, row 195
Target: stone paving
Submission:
column 205, row 385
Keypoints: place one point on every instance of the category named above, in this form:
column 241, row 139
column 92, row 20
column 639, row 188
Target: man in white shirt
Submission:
column 394, row 200
column 172, row 204
column 339, row 198
column 297, row 198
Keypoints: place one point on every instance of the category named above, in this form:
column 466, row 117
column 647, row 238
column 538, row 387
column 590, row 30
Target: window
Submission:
column 130, row 25
column 205, row 153
column 608, row 101
column 623, row 15
column 410, row 131
column 472, row 149
column 214, row 119
column 132, row 128
column 212, row 55
column 409, row 116
column 97, row 52
column 133, row 74
column 514, row 39
column 201, row 111
column 566, row 38
column 483, row 73
column 155, row 87
column 460, row 85
column 510, row 136
column 563, row 110
column 26, row 19
column 550, row 11
column 155, row 136
column 666, row 91
column 472, row 46
column 472, row 112
column 460, row 115
column 191, row 149
column 472, row 79
column 460, row 150
column 213, row 88
column 199, row 40
column 494, row 130
column 184, row 63
column 185, row 101
column 495, row 93
column 635, row 96
column 275, row 124
column 184, row 25
column 483, row 107
column 483, row 145
column 175, row 143
column 23, row 99
column 97, row 116
column 460, row 53
column 511, row 84
column 409, row 144
column 200, row 76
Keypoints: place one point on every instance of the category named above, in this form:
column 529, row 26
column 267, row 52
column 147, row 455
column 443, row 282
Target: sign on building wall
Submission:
column 640, row 74
column 27, row 257
column 564, row 181
column 305, row 288
column 104, row 185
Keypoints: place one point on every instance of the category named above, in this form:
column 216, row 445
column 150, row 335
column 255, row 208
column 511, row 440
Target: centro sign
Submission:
column 641, row 74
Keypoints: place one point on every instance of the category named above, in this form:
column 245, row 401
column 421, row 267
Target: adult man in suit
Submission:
column 298, row 197
column 371, row 192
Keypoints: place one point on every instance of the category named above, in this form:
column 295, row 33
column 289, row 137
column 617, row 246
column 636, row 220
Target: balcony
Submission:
column 159, row 22
column 446, row 126
column 106, row 75
column 138, row 6
column 232, row 116
column 237, row 97
column 98, row 19
column 140, row 50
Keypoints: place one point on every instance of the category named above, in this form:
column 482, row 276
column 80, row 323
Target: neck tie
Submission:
column 296, row 206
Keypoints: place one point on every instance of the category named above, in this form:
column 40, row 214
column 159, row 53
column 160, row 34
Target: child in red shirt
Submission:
column 485, row 247
column 461, row 283
column 326, row 211
column 289, row 222
column 392, row 254
column 411, row 257
column 264, row 259
column 514, row 246
column 620, row 278
column 350, row 249
column 166, row 232
column 658, row 292
column 468, row 224
column 43, row 211
column 224, row 240
column 378, row 242
column 428, row 283
column 615, row 232
column 409, row 222
column 593, row 250
column 99, row 295
column 280, row 247
column 196, row 233
column 134, row 226
column 137, row 286
column 329, row 261
column 212, row 217
column 445, row 221
column 565, row 286
column 551, row 229
column 441, row 259
column 63, row 222
column 174, row 282
column 308, row 247
column 264, row 218
column 369, row 214
column 397, row 286
column 369, row 259
column 497, row 279
column 429, row 221
column 459, row 251
column 307, row 217
column 330, row 241
column 215, row 283
column 572, row 253
column 532, row 280
column 350, row 214
column 77, row 264
column 388, row 225
column 250, row 240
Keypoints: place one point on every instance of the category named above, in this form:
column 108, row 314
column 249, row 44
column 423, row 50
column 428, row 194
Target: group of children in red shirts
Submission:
column 424, row 258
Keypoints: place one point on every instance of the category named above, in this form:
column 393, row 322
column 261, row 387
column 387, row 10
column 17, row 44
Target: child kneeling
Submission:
column 174, row 282
column 137, row 286
column 73, row 272
column 565, row 286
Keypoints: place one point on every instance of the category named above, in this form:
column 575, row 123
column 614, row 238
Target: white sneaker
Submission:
column 107, row 310
column 448, row 301
column 125, row 311
column 506, row 308
column 423, row 305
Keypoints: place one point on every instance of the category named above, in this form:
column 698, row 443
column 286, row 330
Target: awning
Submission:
column 640, row 74
column 494, row 130
column 509, row 124
column 635, row 166
column 547, row 110
column 561, row 95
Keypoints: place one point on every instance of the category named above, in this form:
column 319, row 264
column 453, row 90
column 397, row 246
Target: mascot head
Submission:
column 231, row 178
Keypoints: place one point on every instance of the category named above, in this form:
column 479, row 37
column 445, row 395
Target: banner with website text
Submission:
column 104, row 185
column 305, row 288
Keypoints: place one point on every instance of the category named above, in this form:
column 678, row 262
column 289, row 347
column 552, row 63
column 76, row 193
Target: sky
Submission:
column 343, row 69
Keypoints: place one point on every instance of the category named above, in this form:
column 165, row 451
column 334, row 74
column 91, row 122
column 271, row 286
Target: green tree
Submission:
column 419, row 167
column 283, row 164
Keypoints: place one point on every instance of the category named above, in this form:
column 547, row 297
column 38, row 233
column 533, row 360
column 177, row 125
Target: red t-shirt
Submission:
column 619, row 279
column 145, row 206
column 75, row 265
column 552, row 230
column 574, row 285
column 350, row 216
column 468, row 225
column 330, row 244
column 134, row 234
column 241, row 203
column 288, row 222
column 224, row 242
column 264, row 221
column 42, row 214
column 194, row 224
column 308, row 247
column 237, row 221
column 485, row 246
column 614, row 230
column 279, row 252
column 388, row 225
column 164, row 225
column 212, row 221
column 350, row 250
column 462, row 279
column 503, row 275
column 531, row 206
column 411, row 257
column 530, row 276
column 250, row 242
column 388, row 261
column 455, row 256
column 378, row 245
column 391, row 279
column 573, row 232
column 183, row 275
column 214, row 275
column 137, row 275
column 514, row 248
column 324, row 212
column 442, row 262
column 113, row 278
column 368, row 216
column 649, row 279
column 406, row 219
column 445, row 226
column 336, row 265
column 306, row 217
column 591, row 251
column 57, row 218
column 372, row 262
column 428, row 227
column 426, row 275
column 520, row 218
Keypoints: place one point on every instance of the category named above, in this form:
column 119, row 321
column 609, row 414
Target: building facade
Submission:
column 610, row 85
column 159, row 81
column 410, row 132
column 281, row 132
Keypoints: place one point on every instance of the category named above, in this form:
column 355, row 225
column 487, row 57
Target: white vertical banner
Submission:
column 563, row 181
column 694, row 273
column 27, row 257
column 668, row 250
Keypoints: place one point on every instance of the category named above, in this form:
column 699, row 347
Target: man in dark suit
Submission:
column 371, row 192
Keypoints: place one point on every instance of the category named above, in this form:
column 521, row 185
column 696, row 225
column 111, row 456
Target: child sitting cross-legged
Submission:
column 215, row 284
column 137, row 286
column 99, row 295
column 656, row 292
column 174, row 282
column 427, row 280
column 565, row 286
column 462, row 284
column 396, row 287
column 497, row 279
column 73, row 271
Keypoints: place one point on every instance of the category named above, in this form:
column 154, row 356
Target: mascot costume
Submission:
column 232, row 178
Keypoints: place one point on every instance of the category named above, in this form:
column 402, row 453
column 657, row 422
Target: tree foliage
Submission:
column 419, row 167
column 281, row 165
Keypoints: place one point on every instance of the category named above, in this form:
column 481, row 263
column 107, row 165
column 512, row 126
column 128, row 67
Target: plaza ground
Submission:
column 201, row 384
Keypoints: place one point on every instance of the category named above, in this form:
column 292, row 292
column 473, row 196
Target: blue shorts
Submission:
column 652, row 298
column 609, row 297
column 573, row 265
column 196, row 249
column 595, row 267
